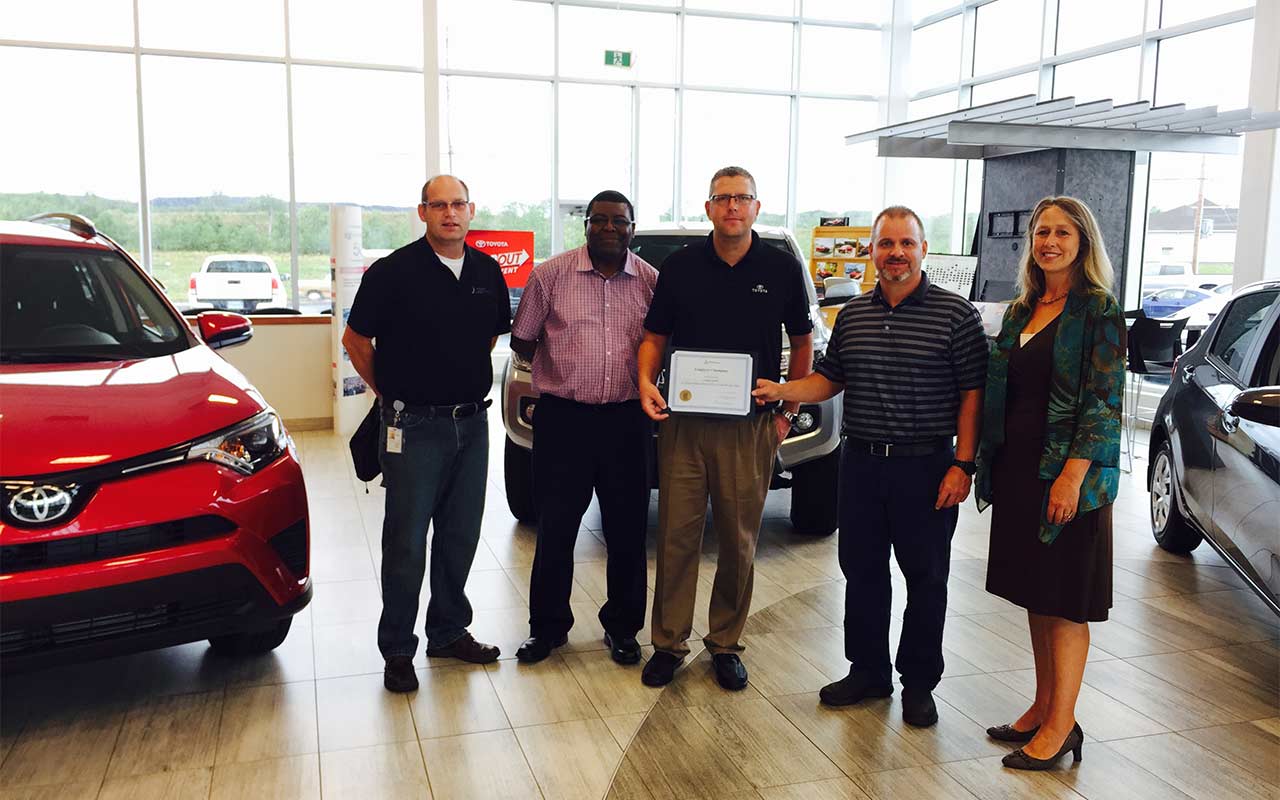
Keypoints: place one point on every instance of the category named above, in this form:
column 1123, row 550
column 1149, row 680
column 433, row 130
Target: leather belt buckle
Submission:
column 881, row 449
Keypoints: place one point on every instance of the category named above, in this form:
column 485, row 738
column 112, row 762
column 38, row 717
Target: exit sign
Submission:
column 617, row 58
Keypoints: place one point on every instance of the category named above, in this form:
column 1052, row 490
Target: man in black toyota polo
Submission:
column 730, row 293
column 419, row 333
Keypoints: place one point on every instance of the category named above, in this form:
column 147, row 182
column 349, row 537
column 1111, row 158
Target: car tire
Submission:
column 518, row 476
column 315, row 295
column 1173, row 531
column 248, row 643
column 814, row 493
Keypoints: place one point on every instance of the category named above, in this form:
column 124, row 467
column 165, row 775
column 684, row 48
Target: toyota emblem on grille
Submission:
column 40, row 504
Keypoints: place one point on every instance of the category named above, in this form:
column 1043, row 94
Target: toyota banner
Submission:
column 513, row 250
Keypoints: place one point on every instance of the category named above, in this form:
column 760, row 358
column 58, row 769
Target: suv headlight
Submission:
column 246, row 448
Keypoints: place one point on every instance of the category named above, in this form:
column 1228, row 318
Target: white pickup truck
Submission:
column 237, row 282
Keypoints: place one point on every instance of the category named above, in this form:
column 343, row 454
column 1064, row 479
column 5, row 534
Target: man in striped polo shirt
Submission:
column 579, row 323
column 911, row 359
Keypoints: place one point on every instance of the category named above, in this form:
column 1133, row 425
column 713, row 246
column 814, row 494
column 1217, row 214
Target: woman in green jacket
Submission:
column 1048, row 463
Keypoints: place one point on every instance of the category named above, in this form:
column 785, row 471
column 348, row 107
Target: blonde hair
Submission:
column 1092, row 269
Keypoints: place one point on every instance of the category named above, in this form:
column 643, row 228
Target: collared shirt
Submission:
column 702, row 303
column 903, row 367
column 432, row 329
column 588, row 327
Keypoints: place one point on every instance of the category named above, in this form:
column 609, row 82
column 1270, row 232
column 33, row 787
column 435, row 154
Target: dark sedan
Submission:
column 1215, row 443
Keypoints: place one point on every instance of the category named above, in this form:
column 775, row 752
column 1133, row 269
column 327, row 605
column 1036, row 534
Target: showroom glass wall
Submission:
column 186, row 129
column 1162, row 51
column 536, row 118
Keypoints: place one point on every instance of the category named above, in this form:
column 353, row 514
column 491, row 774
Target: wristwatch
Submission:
column 968, row 467
column 789, row 416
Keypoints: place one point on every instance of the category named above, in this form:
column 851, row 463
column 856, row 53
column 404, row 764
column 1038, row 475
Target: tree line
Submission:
column 220, row 223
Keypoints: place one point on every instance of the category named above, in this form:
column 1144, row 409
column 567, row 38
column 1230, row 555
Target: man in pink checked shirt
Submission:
column 580, row 322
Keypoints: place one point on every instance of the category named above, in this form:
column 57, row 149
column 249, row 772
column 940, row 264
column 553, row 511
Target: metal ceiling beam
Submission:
column 1070, row 113
column 1118, row 112
column 1194, row 115
column 1260, row 122
column 927, row 122
column 912, row 147
column 1014, row 135
column 1018, row 115
column 1161, row 112
column 1236, row 116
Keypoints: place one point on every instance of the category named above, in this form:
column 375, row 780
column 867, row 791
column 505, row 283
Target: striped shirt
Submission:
column 903, row 368
column 588, row 327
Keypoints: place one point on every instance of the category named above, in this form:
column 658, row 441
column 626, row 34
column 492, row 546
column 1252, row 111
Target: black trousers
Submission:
column 888, row 503
column 580, row 448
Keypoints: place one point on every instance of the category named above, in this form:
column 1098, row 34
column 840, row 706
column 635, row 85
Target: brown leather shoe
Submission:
column 466, row 648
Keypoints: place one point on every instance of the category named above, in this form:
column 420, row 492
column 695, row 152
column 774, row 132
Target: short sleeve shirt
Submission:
column 431, row 330
column 702, row 303
column 588, row 327
column 903, row 367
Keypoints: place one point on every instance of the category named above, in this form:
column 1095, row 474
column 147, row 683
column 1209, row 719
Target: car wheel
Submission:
column 314, row 295
column 1172, row 530
column 248, row 643
column 814, row 489
column 518, row 476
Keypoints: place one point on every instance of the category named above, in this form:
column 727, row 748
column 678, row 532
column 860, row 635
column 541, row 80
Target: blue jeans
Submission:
column 437, row 479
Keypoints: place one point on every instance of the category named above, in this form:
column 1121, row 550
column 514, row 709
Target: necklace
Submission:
column 1045, row 302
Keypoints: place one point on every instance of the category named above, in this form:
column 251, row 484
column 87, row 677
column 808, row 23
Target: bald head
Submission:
column 426, row 187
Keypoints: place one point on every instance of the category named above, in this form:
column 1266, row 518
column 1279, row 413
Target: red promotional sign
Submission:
column 513, row 251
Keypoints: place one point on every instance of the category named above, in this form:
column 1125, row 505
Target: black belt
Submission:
column 458, row 411
column 891, row 449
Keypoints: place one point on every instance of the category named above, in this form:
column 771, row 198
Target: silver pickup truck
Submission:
column 810, row 454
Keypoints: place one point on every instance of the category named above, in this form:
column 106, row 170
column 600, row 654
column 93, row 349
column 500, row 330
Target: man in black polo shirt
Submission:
column 911, row 360
column 731, row 293
column 434, row 309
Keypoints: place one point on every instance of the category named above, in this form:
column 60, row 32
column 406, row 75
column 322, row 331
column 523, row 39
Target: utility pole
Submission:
column 1195, row 233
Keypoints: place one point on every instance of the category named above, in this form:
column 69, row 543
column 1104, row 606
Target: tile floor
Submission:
column 1181, row 696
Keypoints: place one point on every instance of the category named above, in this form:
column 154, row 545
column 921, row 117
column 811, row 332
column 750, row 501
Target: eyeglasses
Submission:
column 724, row 199
column 440, row 205
column 599, row 221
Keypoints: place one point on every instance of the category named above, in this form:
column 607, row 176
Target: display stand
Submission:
column 842, row 252
column 351, row 397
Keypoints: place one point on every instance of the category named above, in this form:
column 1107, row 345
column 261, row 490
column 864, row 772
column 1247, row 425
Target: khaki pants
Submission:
column 731, row 460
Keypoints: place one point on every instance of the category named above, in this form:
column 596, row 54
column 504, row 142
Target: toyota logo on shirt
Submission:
column 40, row 505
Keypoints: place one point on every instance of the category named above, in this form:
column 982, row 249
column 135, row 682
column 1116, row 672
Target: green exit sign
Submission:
column 617, row 58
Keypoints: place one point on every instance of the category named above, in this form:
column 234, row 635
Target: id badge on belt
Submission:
column 395, row 435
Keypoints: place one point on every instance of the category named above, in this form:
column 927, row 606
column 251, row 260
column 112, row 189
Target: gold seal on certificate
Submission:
column 703, row 382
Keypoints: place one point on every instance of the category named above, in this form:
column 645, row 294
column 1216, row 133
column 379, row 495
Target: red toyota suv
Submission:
column 151, row 496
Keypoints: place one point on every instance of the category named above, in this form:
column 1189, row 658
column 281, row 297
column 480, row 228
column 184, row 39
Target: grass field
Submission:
column 1216, row 268
column 174, row 268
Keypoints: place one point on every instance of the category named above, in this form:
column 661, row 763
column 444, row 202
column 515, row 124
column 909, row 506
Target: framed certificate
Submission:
column 712, row 383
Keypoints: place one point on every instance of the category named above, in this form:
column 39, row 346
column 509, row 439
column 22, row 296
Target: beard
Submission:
column 900, row 277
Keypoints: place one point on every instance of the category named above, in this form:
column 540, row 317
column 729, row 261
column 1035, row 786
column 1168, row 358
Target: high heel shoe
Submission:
column 1020, row 760
column 1008, row 733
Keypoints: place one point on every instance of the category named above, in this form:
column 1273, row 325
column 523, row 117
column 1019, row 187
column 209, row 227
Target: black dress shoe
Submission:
column 918, row 708
column 398, row 674
column 623, row 649
column 536, row 648
column 1008, row 733
column 853, row 688
column 731, row 674
column 1018, row 759
column 466, row 648
column 660, row 669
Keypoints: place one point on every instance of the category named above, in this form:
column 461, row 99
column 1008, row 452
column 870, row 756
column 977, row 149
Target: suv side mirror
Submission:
column 221, row 329
column 1260, row 405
